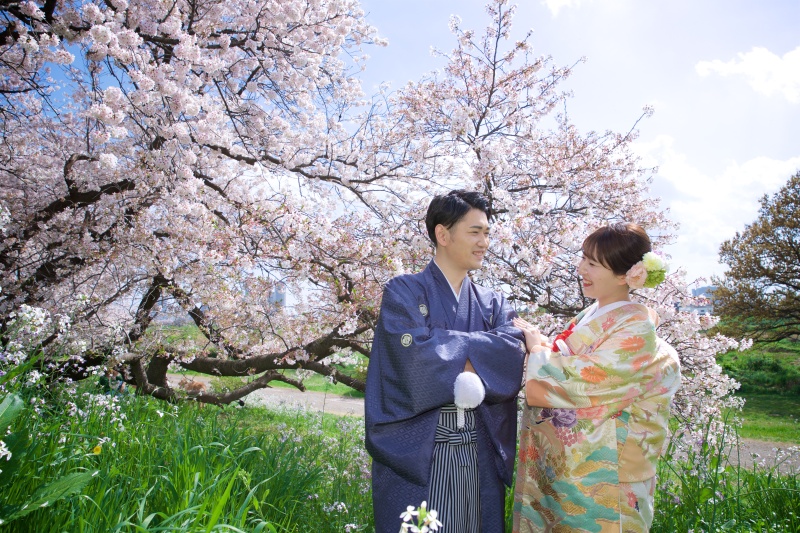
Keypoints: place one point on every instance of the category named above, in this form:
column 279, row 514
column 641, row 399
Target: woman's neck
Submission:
column 608, row 300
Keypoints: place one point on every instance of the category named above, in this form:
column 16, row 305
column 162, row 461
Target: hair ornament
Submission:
column 647, row 273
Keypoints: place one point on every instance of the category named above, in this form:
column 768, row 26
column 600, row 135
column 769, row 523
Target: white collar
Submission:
column 447, row 280
column 593, row 311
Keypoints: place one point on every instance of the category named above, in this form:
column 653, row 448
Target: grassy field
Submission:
column 771, row 417
column 184, row 468
column 765, row 369
column 770, row 384
column 315, row 383
column 319, row 383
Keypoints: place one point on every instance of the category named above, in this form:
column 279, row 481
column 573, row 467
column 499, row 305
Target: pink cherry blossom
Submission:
column 193, row 166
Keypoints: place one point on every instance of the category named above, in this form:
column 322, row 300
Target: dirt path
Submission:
column 317, row 401
column 766, row 453
column 283, row 397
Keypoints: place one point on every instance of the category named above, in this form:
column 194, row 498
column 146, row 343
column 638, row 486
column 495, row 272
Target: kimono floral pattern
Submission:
column 594, row 427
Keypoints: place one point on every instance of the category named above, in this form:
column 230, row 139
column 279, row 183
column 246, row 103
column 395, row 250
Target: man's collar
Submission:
column 433, row 261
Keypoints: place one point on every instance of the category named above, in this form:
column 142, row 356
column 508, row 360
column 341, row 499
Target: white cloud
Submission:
column 711, row 208
column 766, row 72
column 555, row 5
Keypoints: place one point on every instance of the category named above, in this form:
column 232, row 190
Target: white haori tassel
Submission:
column 469, row 393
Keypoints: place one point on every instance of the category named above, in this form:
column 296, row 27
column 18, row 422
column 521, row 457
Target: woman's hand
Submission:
column 533, row 337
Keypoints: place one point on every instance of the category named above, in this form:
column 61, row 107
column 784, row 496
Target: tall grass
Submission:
column 183, row 468
column 769, row 375
column 705, row 489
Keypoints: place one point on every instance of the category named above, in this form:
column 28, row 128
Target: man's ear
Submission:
column 442, row 235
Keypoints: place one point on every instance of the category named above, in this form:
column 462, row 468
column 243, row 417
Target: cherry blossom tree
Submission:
column 493, row 121
column 201, row 154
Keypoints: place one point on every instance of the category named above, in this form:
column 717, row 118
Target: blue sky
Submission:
column 723, row 77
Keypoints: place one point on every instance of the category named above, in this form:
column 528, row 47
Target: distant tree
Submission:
column 759, row 296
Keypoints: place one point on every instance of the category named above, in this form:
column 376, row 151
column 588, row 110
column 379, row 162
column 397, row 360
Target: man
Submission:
column 432, row 326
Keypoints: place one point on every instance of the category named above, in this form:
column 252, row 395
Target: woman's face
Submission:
column 600, row 283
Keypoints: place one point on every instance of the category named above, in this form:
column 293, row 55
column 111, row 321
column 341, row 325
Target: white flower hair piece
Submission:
column 648, row 273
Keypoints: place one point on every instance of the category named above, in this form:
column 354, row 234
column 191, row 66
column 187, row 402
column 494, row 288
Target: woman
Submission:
column 597, row 400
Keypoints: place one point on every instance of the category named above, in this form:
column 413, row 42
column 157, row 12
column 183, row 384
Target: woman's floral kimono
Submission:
column 594, row 426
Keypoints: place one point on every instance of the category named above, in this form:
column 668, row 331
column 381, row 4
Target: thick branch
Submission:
column 143, row 386
column 157, row 370
column 235, row 395
column 332, row 372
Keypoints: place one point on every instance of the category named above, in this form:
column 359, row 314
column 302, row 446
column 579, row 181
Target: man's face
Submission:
column 466, row 242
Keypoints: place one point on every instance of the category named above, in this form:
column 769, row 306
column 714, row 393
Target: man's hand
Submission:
column 533, row 338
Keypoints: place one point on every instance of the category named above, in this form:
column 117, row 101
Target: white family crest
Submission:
column 406, row 339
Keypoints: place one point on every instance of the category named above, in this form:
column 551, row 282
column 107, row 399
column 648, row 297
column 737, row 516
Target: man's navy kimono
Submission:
column 422, row 342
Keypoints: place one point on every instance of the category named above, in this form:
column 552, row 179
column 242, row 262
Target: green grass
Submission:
column 315, row 383
column 765, row 368
column 702, row 490
column 769, row 375
column 318, row 383
column 187, row 336
column 187, row 468
column 771, row 417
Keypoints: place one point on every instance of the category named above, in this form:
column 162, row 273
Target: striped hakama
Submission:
column 455, row 486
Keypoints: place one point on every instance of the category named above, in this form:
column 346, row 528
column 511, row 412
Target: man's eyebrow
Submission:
column 480, row 226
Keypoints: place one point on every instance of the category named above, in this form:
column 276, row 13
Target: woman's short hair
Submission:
column 617, row 246
column 448, row 209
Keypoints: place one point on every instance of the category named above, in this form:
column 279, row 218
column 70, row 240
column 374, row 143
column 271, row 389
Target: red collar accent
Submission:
column 563, row 336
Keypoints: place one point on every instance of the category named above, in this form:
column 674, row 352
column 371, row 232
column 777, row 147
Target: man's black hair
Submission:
column 448, row 209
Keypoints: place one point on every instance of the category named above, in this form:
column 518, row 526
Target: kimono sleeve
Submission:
column 498, row 355
column 418, row 364
column 625, row 367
